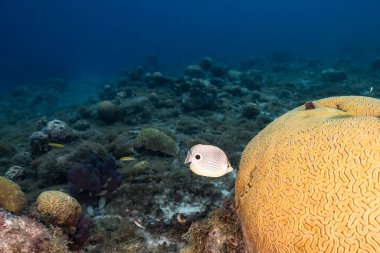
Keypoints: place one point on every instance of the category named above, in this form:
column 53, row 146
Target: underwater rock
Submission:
column 12, row 198
column 92, row 178
column 58, row 208
column 136, row 110
column 217, row 82
column 250, row 110
column 157, row 79
column 233, row 75
column 39, row 142
column 194, row 71
column 59, row 131
column 279, row 194
column 234, row 90
column 332, row 75
column 22, row 158
column 107, row 111
column 81, row 125
column 151, row 139
column 134, row 78
column 218, row 70
column 256, row 96
column 205, row 63
column 14, row 172
column 23, row 234
column 252, row 79
column 201, row 95
column 107, row 93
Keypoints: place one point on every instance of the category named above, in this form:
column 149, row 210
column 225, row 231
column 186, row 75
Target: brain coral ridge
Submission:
column 12, row 198
column 59, row 208
column 310, row 181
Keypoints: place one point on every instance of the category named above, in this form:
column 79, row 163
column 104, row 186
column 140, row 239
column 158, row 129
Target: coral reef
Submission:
column 20, row 234
column 308, row 181
column 151, row 139
column 158, row 198
column 12, row 198
column 58, row 208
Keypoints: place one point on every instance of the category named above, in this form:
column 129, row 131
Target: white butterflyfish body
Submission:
column 208, row 161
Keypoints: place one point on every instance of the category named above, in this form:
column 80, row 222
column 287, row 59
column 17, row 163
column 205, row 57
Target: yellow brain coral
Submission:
column 58, row 208
column 12, row 198
column 310, row 181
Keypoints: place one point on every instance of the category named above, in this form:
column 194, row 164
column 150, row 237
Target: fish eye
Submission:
column 198, row 157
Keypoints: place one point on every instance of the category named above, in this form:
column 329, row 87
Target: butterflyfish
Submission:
column 208, row 161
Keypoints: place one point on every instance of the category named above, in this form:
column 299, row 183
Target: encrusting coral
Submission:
column 309, row 182
column 152, row 139
column 12, row 198
column 21, row 234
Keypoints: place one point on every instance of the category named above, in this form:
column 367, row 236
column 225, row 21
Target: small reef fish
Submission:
column 56, row 145
column 208, row 161
column 127, row 158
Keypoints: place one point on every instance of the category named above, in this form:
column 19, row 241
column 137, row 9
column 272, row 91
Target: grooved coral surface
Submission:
column 310, row 181
column 58, row 208
column 155, row 140
column 12, row 198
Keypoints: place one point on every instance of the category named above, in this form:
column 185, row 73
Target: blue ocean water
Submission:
column 78, row 40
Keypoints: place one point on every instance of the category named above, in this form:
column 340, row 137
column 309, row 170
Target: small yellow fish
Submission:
column 127, row 158
column 56, row 145
column 208, row 161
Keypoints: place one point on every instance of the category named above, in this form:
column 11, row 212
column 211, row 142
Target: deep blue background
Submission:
column 75, row 38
